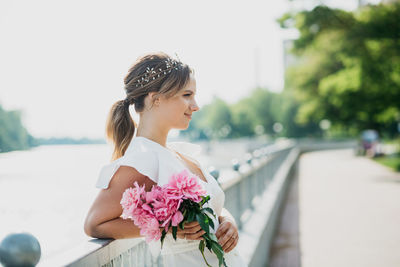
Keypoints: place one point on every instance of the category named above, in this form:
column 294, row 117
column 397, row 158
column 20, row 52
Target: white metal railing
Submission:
column 254, row 192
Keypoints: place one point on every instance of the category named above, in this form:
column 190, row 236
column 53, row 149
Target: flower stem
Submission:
column 201, row 248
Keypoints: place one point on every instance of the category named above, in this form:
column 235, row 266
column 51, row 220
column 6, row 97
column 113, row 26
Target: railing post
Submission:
column 18, row 250
column 214, row 172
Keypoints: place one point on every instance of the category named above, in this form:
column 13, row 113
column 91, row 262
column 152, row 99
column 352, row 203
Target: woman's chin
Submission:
column 182, row 127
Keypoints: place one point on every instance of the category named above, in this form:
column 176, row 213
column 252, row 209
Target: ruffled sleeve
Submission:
column 145, row 162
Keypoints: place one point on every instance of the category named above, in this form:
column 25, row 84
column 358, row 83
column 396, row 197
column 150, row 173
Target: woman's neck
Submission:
column 153, row 135
column 151, row 128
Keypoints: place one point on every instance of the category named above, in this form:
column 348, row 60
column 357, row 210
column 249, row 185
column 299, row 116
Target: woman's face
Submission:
column 177, row 110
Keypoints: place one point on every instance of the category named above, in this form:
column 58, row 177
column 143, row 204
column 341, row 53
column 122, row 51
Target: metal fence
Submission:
column 254, row 192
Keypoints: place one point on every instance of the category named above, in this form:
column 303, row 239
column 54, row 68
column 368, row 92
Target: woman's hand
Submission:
column 227, row 233
column 192, row 231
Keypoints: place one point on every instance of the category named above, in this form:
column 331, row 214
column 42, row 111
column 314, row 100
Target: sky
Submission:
column 63, row 62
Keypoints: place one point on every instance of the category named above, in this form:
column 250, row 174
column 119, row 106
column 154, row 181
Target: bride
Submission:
column 162, row 91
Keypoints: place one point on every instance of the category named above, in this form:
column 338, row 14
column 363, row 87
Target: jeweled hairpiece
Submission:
column 152, row 74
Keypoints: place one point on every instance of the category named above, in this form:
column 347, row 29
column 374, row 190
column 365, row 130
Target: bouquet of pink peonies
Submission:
column 172, row 205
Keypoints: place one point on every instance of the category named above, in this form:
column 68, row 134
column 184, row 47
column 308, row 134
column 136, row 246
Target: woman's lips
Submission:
column 187, row 115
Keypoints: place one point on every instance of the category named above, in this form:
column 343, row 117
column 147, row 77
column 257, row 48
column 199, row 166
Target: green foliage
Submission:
column 263, row 107
column 252, row 115
column 218, row 119
column 213, row 121
column 174, row 231
column 288, row 111
column 13, row 136
column 243, row 119
column 392, row 161
column 348, row 67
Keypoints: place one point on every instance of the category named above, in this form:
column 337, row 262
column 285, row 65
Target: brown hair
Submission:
column 120, row 126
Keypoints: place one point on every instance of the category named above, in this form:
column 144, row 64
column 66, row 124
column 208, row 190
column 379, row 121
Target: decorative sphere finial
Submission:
column 19, row 249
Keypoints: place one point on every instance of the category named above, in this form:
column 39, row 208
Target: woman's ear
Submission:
column 153, row 97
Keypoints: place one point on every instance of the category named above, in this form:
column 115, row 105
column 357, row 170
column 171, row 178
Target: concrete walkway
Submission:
column 349, row 211
column 285, row 249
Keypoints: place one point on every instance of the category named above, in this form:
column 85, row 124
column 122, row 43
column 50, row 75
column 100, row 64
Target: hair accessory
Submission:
column 152, row 74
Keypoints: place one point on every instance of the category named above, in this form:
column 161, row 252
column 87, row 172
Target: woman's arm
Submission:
column 103, row 219
column 226, row 215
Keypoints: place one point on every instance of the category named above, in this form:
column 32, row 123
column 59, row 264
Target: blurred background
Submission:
column 265, row 71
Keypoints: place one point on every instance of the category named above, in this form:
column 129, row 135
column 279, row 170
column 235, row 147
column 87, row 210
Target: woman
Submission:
column 163, row 93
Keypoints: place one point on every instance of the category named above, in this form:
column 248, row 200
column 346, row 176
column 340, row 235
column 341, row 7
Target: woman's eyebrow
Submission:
column 187, row 90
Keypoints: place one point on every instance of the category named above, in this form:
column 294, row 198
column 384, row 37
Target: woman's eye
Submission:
column 187, row 95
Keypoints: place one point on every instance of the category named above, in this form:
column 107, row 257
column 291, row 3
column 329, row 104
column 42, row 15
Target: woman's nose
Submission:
column 195, row 107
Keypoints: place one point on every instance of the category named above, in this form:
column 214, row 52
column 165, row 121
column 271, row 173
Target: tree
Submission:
column 349, row 67
column 13, row 136
column 213, row 121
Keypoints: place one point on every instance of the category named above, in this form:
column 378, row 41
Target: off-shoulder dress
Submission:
column 159, row 163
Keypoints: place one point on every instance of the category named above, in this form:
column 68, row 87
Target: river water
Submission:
column 48, row 190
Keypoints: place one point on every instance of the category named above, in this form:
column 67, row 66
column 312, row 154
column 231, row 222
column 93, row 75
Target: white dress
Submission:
column 159, row 163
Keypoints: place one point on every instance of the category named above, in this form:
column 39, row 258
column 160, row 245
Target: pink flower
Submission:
column 132, row 198
column 147, row 222
column 177, row 218
column 147, row 208
column 150, row 229
column 159, row 208
column 164, row 208
column 152, row 234
column 184, row 186
column 155, row 193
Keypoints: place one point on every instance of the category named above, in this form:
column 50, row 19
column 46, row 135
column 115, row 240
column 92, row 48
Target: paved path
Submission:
column 285, row 250
column 349, row 213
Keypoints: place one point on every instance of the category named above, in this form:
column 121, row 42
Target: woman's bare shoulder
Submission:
column 126, row 176
column 131, row 164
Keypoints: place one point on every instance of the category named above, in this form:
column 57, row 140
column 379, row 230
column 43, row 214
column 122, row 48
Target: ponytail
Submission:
column 120, row 128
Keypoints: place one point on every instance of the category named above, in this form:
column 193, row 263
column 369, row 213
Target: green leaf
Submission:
column 210, row 210
column 174, row 230
column 210, row 221
column 201, row 245
column 163, row 234
column 204, row 200
column 217, row 249
column 213, row 237
column 203, row 221
column 201, row 248
column 209, row 245
column 191, row 216
column 182, row 224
